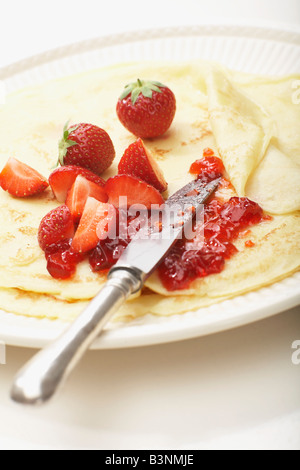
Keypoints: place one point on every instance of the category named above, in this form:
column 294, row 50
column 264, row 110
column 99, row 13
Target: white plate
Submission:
column 245, row 48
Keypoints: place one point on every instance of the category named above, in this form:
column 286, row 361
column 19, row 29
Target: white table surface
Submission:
column 233, row 390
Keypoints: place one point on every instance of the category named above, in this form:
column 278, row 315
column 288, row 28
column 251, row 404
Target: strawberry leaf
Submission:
column 127, row 90
column 144, row 87
column 147, row 91
column 135, row 94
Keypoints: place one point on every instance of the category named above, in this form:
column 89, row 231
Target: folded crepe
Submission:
column 250, row 122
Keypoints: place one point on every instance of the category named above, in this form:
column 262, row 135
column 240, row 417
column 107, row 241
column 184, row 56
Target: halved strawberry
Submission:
column 62, row 179
column 138, row 161
column 56, row 227
column 20, row 180
column 132, row 191
column 78, row 194
column 97, row 222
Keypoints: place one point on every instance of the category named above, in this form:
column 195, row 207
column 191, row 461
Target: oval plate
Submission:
column 249, row 49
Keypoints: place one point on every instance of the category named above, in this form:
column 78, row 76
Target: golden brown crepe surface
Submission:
column 249, row 121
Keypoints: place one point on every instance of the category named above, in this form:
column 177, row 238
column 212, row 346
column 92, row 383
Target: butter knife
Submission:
column 46, row 372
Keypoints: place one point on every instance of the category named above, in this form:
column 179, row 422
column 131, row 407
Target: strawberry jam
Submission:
column 208, row 168
column 108, row 251
column 222, row 224
column 106, row 254
column 61, row 260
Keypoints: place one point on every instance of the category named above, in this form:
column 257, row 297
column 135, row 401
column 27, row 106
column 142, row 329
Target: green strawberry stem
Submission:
column 144, row 87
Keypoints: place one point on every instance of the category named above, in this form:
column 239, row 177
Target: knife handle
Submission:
column 41, row 377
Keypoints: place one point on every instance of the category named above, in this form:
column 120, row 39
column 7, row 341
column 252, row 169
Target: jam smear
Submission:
column 208, row 168
column 108, row 251
column 106, row 254
column 249, row 244
column 61, row 260
column 222, row 224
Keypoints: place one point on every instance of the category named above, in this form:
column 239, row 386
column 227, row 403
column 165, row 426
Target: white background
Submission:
column 32, row 26
column 237, row 389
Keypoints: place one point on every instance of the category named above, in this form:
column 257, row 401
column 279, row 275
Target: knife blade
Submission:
column 42, row 377
column 154, row 240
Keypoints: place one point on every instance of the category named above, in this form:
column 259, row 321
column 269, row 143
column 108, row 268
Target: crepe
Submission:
column 248, row 121
column 242, row 128
column 255, row 125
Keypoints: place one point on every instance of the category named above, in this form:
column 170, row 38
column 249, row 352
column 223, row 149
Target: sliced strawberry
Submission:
column 137, row 161
column 78, row 194
column 133, row 191
column 97, row 222
column 62, row 179
column 56, row 227
column 20, row 180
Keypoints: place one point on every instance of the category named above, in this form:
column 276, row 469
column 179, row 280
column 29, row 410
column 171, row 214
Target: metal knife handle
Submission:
column 40, row 378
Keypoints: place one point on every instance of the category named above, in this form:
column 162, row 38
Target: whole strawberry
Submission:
column 146, row 108
column 87, row 146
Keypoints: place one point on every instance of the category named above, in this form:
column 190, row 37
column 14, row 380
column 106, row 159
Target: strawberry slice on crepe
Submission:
column 78, row 194
column 98, row 221
column 138, row 161
column 62, row 179
column 20, row 180
column 124, row 191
